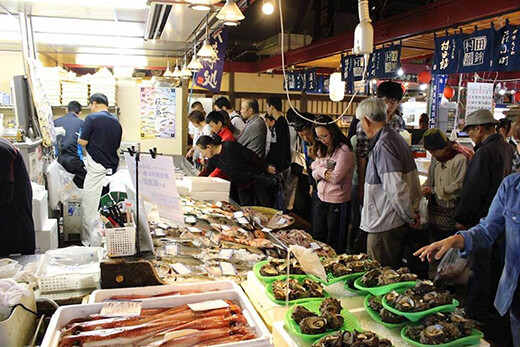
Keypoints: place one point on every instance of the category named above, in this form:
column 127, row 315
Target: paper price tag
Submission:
column 242, row 220
column 121, row 308
column 180, row 269
column 227, row 269
column 238, row 214
column 159, row 232
column 281, row 221
column 226, row 253
column 194, row 230
column 214, row 237
column 208, row 305
column 314, row 245
column 219, row 204
column 190, row 219
column 171, row 249
column 242, row 231
column 226, row 227
column 163, row 225
column 266, row 230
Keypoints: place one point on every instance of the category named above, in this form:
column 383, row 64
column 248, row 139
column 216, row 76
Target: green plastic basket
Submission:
column 331, row 279
column 416, row 316
column 355, row 291
column 376, row 317
column 382, row 289
column 351, row 322
column 472, row 339
column 269, row 279
column 270, row 295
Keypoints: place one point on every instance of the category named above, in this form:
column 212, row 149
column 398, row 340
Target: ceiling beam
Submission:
column 436, row 16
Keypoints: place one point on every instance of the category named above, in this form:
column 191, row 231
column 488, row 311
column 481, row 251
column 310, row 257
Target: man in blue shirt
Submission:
column 101, row 137
column 70, row 154
column 503, row 218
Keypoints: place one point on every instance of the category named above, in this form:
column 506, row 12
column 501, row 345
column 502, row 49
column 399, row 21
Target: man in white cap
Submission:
column 492, row 162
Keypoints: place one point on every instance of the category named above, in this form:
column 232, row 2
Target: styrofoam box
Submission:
column 65, row 314
column 211, row 196
column 207, row 184
column 206, row 286
column 40, row 212
column 182, row 189
column 47, row 237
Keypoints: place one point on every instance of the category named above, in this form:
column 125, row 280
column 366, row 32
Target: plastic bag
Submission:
column 453, row 268
column 423, row 210
column 57, row 179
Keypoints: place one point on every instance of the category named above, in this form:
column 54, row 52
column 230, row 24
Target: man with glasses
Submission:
column 101, row 137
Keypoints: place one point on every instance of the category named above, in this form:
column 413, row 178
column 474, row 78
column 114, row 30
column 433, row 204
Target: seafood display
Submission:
column 423, row 296
column 329, row 318
column 301, row 238
column 352, row 338
column 385, row 315
column 347, row 264
column 277, row 267
column 440, row 328
column 160, row 327
column 297, row 290
column 385, row 275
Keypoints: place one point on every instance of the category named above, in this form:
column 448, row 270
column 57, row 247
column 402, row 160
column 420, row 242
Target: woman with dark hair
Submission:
column 332, row 169
column 241, row 164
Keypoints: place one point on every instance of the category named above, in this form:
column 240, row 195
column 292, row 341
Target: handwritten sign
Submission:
column 439, row 82
column 477, row 51
column 479, row 96
column 384, row 62
column 210, row 76
column 121, row 308
column 157, row 184
column 506, row 53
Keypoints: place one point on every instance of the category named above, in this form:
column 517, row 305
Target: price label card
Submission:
column 226, row 227
column 242, row 231
column 227, row 269
column 159, row 232
column 226, row 253
column 190, row 219
column 314, row 245
column 281, row 221
column 243, row 220
column 208, row 305
column 238, row 214
column 267, row 230
column 194, row 230
column 219, row 204
column 172, row 249
column 121, row 308
column 163, row 225
column 180, row 269
column 214, row 237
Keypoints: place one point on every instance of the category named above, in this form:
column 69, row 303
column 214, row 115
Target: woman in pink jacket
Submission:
column 332, row 169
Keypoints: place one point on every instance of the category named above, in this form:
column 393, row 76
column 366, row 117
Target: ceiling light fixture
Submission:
column 206, row 52
column 230, row 14
column 400, row 72
column 176, row 72
column 423, row 86
column 201, row 5
column 268, row 7
column 168, row 72
column 185, row 73
column 111, row 60
column 502, row 91
column 195, row 64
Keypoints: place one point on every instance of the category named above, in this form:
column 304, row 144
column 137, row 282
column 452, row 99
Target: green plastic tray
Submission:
column 416, row 316
column 382, row 289
column 270, row 295
column 355, row 291
column 472, row 339
column 351, row 322
column 269, row 279
column 331, row 279
column 376, row 317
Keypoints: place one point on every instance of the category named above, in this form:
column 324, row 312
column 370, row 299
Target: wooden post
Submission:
column 232, row 97
column 303, row 102
column 184, row 117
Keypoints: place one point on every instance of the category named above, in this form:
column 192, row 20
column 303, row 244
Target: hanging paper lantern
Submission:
column 517, row 96
column 424, row 77
column 448, row 92
column 336, row 87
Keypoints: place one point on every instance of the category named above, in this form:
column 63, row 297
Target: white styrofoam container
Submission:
column 206, row 286
column 65, row 314
column 210, row 196
column 40, row 212
column 207, row 184
column 47, row 237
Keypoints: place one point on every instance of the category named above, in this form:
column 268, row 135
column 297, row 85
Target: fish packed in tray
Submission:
column 161, row 327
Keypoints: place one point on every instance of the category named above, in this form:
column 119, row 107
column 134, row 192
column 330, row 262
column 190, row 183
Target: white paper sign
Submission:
column 180, row 269
column 157, row 184
column 208, row 305
column 121, row 308
column 227, row 269
column 267, row 230
column 172, row 249
column 225, row 253
column 479, row 96
column 194, row 230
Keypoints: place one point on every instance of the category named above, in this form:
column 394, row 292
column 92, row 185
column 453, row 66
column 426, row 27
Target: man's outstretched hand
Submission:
column 439, row 248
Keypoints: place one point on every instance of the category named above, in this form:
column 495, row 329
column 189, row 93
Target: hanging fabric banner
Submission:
column 446, row 56
column 439, row 82
column 346, row 67
column 210, row 76
column 477, row 51
column 300, row 81
column 311, row 82
column 506, row 55
column 291, row 81
column 384, row 62
column 352, row 68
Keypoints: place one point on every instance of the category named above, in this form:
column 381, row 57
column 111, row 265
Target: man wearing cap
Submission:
column 443, row 186
column 492, row 162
